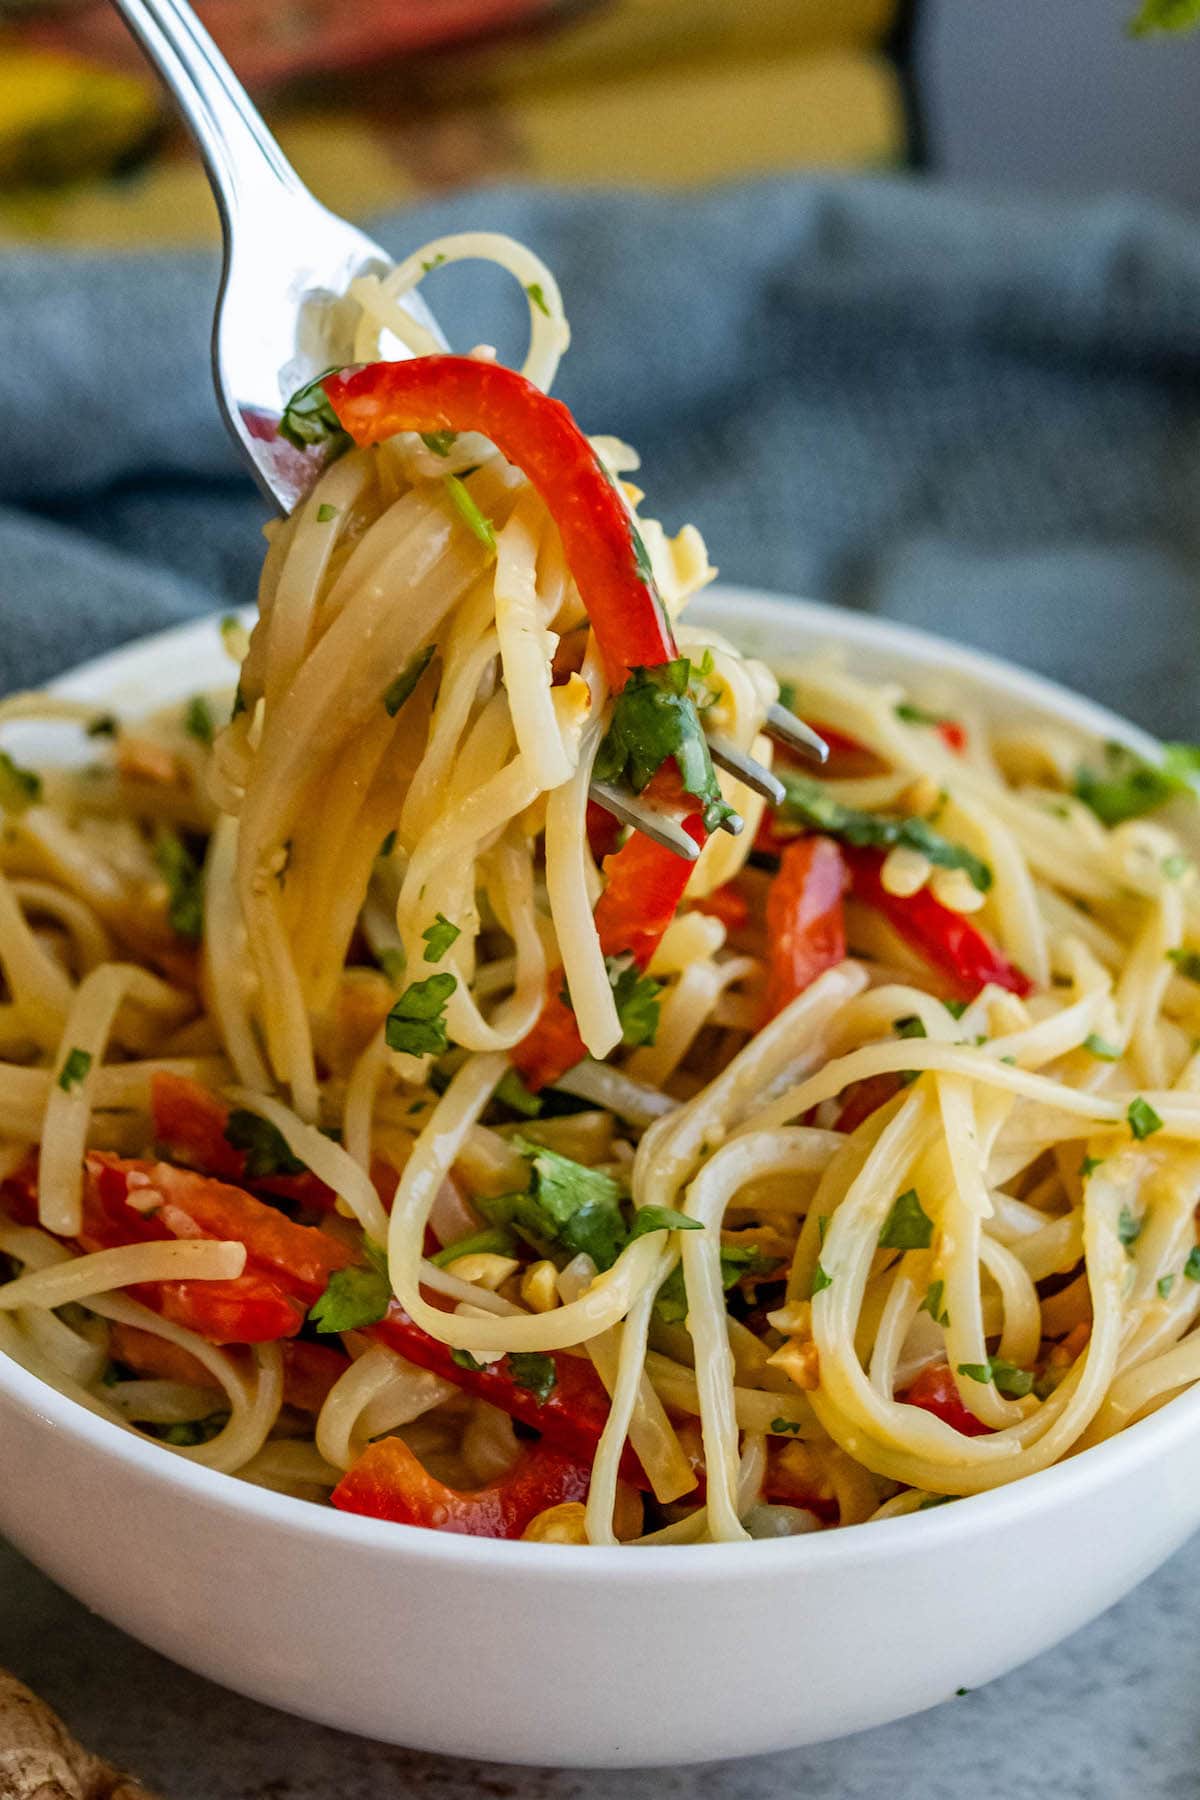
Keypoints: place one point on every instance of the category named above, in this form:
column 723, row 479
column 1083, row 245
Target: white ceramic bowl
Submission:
column 546, row 1654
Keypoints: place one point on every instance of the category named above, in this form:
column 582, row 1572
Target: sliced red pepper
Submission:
column 388, row 1482
column 572, row 1416
column 189, row 1127
column 539, row 435
column 865, row 1097
column 644, row 885
column 935, row 1391
column 287, row 1269
column 953, row 735
column 309, row 1370
column 957, row 949
column 806, row 919
column 726, row 903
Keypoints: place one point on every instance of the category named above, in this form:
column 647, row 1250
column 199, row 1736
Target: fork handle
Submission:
column 243, row 160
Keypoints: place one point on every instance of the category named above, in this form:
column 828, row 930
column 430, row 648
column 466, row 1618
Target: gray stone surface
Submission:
column 1110, row 1715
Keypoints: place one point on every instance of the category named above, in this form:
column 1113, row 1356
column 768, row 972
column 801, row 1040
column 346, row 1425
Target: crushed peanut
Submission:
column 539, row 1286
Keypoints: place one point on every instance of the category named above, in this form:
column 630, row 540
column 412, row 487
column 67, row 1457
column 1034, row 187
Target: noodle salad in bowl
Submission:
column 384, row 1124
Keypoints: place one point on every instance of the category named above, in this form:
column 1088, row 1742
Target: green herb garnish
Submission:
column 636, row 997
column 1129, row 786
column 438, row 938
column 263, row 1146
column 185, row 885
column 737, row 1261
column 785, row 1427
column 821, row 1279
column 810, row 803
column 932, row 1303
column 469, row 512
column 355, row 1297
column 326, row 513
column 465, row 1360
column 908, row 1226
column 1143, row 1120
column 534, row 290
column 1191, row 1267
column 1129, row 1226
column 512, row 1092
column 1008, row 1380
column 309, row 418
column 1187, row 962
column 1164, row 15
column 1101, row 1048
column 417, row 1022
column 661, row 1218
column 534, row 1370
column 76, row 1064
column 493, row 1240
column 654, row 717
column 398, row 691
column 19, row 788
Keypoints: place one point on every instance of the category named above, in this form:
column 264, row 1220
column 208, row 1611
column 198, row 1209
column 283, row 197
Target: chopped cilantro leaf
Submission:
column 438, row 938
column 103, row 725
column 737, row 1260
column 398, row 691
column 186, row 1433
column 308, row 418
column 1008, row 1380
column 653, row 718
column 467, row 510
column 1128, row 786
column 534, row 1370
column 185, row 885
column 512, row 1092
column 917, row 715
column 76, row 1064
column 1191, row 1267
column 1164, row 1284
column 661, row 1218
column 956, row 1008
column 263, row 1146
column 1101, row 1048
column 820, row 1280
column 465, row 1360
column 493, row 1240
column 1187, row 962
column 325, row 513
column 417, row 1023
column 355, row 1297
column 433, row 262
column 810, row 803
column 1088, row 1166
column 534, row 290
column 1143, row 1120
column 932, row 1303
column 198, row 719
column 911, row 1027
column 1129, row 1226
column 782, row 1427
column 637, row 1001
column 19, row 788
column 439, row 443
column 908, row 1226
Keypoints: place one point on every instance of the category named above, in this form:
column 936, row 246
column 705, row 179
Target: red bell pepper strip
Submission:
column 935, row 1391
column 726, row 903
column 643, row 888
column 599, row 538
column 388, row 1482
column 865, row 1097
column 287, row 1268
column 309, row 1370
column 957, row 949
column 189, row 1128
column 806, row 919
column 572, row 1416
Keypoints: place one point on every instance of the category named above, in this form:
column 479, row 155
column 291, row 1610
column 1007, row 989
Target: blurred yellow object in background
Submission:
column 654, row 92
column 61, row 118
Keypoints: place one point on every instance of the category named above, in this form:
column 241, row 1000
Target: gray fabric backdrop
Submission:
column 973, row 415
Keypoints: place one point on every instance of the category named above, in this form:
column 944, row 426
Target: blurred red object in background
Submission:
column 274, row 40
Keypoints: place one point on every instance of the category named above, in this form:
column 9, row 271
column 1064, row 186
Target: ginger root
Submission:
column 40, row 1760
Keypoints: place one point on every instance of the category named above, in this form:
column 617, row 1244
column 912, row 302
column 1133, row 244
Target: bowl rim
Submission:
column 989, row 1511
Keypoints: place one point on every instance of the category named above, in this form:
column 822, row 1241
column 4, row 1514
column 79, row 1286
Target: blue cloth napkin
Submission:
column 977, row 416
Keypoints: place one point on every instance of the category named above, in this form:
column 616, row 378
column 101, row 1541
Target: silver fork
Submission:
column 288, row 262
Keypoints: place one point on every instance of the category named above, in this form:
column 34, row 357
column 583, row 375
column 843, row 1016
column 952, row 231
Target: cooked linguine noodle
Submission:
column 379, row 1121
